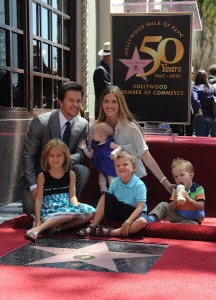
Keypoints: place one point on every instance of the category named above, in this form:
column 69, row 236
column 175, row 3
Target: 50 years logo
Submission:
column 160, row 55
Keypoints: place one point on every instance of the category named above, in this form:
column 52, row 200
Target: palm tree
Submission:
column 204, row 47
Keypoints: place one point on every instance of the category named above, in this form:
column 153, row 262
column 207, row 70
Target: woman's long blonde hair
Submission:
column 125, row 116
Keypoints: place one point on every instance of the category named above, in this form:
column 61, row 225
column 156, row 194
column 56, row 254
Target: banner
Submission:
column 151, row 63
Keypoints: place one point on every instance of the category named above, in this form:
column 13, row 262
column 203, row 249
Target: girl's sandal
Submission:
column 83, row 232
column 32, row 235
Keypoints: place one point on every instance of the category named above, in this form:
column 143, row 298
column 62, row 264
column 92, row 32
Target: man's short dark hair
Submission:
column 212, row 70
column 67, row 86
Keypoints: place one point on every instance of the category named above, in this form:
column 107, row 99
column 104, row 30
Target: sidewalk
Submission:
column 10, row 211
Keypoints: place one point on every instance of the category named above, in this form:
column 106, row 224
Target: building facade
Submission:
column 42, row 44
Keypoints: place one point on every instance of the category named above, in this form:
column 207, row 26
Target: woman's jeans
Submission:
column 204, row 125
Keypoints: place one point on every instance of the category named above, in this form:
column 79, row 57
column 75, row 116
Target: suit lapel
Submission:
column 54, row 125
column 74, row 131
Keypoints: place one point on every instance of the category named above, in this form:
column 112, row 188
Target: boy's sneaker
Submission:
column 152, row 219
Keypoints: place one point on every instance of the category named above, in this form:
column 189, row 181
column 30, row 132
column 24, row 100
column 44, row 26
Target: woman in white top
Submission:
column 127, row 133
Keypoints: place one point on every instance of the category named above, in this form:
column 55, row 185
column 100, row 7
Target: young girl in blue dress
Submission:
column 56, row 204
column 102, row 152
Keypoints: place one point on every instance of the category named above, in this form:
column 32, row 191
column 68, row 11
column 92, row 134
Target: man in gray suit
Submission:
column 52, row 125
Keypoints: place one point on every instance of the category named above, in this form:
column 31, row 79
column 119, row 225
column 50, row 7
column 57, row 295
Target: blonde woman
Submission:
column 127, row 133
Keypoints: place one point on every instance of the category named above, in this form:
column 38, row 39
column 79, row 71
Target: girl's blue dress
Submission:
column 101, row 157
column 56, row 202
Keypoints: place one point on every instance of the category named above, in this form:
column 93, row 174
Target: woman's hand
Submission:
column 169, row 186
column 199, row 113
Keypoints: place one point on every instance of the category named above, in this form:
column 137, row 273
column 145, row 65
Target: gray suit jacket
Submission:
column 43, row 128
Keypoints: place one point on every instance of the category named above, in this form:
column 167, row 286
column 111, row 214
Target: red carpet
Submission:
column 205, row 232
column 182, row 231
column 171, row 278
column 185, row 271
column 10, row 237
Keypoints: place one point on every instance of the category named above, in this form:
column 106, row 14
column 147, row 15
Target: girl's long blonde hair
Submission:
column 52, row 144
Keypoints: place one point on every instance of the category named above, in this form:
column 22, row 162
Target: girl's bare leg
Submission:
column 98, row 214
column 49, row 224
column 77, row 221
column 102, row 182
column 64, row 222
column 110, row 178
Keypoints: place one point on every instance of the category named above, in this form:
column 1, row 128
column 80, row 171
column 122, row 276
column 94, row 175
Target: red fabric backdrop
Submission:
column 200, row 151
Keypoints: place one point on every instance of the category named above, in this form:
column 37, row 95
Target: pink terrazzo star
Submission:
column 97, row 254
column 135, row 64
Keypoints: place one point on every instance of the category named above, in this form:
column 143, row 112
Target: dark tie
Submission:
column 66, row 135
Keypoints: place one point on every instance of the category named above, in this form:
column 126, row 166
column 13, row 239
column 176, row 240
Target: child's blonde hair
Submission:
column 52, row 144
column 186, row 164
column 104, row 127
column 127, row 155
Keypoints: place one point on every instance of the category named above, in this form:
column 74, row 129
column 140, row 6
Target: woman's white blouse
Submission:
column 132, row 140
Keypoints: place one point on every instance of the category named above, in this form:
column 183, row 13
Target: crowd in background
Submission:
column 203, row 121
